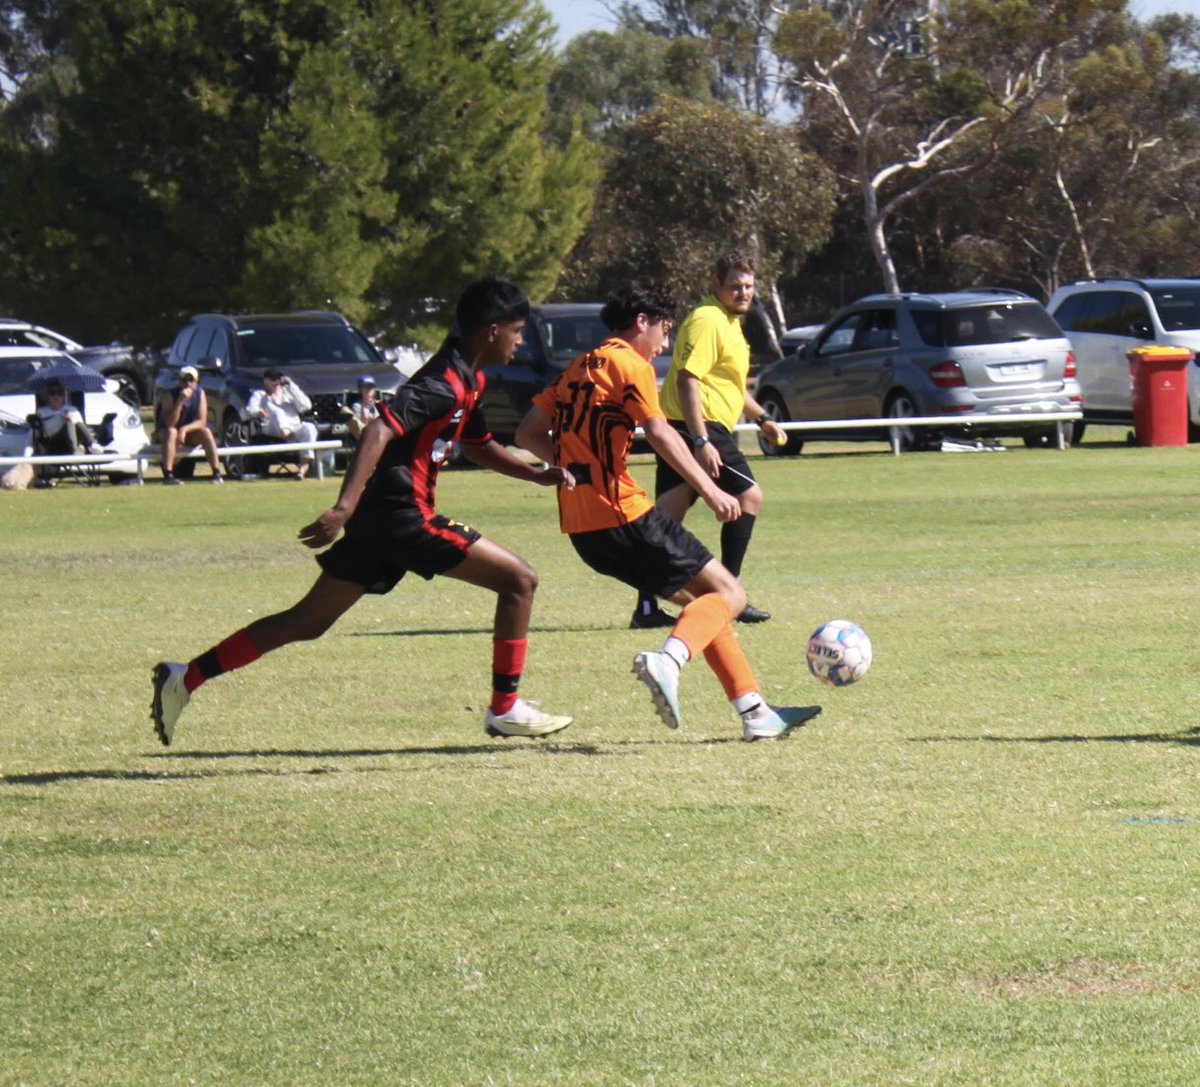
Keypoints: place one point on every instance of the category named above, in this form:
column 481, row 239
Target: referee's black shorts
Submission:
column 654, row 554
column 735, row 478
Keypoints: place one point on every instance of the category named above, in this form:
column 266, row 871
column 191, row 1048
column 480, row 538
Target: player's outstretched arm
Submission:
column 324, row 530
column 666, row 442
column 494, row 456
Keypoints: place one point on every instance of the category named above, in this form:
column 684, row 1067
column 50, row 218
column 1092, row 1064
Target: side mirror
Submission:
column 1141, row 330
column 211, row 362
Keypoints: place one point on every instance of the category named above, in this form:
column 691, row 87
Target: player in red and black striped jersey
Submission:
column 391, row 525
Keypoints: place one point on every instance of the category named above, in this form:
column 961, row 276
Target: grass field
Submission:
column 976, row 867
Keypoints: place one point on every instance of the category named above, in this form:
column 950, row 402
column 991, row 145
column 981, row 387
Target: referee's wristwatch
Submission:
column 700, row 441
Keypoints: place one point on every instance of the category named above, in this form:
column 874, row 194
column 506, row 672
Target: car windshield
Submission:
column 1178, row 308
column 998, row 322
column 16, row 370
column 287, row 346
column 566, row 337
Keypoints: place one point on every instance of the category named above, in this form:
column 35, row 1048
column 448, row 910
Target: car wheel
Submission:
column 234, row 432
column 901, row 405
column 127, row 388
column 773, row 406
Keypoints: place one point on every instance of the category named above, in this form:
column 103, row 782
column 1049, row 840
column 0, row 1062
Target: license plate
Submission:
column 1011, row 369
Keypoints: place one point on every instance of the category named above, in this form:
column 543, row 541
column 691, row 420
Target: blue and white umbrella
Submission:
column 71, row 375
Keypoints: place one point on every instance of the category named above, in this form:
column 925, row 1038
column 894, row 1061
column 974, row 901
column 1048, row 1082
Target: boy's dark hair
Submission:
column 625, row 303
column 733, row 261
column 490, row 300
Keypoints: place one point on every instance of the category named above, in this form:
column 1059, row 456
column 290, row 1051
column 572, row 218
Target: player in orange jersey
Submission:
column 584, row 423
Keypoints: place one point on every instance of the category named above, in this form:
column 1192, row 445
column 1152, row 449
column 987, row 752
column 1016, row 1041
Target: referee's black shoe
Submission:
column 654, row 619
column 751, row 614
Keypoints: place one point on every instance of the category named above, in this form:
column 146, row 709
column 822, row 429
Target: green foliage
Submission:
column 603, row 80
column 234, row 155
column 686, row 181
column 976, row 867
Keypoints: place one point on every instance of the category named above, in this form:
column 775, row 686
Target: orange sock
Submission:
column 701, row 621
column 729, row 664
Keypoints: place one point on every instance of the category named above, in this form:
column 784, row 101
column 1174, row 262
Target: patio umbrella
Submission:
column 72, row 376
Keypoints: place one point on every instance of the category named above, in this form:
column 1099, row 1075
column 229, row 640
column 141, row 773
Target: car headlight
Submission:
column 131, row 420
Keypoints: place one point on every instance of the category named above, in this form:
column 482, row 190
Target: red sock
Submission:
column 236, row 651
column 508, row 662
column 701, row 621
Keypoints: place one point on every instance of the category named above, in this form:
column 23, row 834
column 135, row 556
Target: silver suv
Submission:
column 991, row 356
column 1104, row 319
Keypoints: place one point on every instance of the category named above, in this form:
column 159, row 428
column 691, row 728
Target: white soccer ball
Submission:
column 838, row 653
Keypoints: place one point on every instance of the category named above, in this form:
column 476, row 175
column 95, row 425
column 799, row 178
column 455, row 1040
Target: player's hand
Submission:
column 709, row 459
column 557, row 477
column 725, row 506
column 324, row 530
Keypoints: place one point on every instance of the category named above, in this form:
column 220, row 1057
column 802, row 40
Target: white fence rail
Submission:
column 958, row 422
column 154, row 453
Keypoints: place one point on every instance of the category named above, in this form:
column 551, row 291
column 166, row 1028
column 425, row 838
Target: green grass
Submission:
column 977, row 867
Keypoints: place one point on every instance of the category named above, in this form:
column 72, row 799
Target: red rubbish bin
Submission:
column 1160, row 404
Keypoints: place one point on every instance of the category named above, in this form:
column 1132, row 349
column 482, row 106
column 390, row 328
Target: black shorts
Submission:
column 378, row 561
column 653, row 554
column 735, row 478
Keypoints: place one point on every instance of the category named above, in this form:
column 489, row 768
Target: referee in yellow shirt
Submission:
column 704, row 395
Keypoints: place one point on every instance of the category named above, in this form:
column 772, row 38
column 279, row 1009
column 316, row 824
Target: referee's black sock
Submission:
column 735, row 539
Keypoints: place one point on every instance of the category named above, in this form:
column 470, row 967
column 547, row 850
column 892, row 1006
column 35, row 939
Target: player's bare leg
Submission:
column 514, row 582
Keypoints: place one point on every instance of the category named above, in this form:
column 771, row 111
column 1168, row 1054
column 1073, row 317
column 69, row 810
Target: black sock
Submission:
column 735, row 539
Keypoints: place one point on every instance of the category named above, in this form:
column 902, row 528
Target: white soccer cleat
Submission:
column 767, row 723
column 661, row 674
column 524, row 719
column 170, row 696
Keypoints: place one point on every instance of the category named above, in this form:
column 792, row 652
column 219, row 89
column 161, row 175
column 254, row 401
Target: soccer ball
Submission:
column 838, row 653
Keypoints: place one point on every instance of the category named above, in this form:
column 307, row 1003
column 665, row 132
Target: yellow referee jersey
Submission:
column 710, row 345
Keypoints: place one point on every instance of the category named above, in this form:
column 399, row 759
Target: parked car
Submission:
column 992, row 356
column 132, row 370
column 323, row 352
column 554, row 334
column 116, row 423
column 1105, row 319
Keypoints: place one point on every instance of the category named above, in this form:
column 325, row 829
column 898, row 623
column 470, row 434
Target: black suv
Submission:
column 322, row 352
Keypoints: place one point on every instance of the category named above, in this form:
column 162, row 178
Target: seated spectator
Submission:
column 280, row 405
column 186, row 425
column 364, row 409
column 63, row 428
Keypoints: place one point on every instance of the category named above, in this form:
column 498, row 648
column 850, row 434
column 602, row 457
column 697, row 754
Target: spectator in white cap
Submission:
column 361, row 411
column 186, row 425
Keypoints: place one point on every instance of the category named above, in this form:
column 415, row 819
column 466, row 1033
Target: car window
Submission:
column 14, row 372
column 876, row 330
column 29, row 337
column 995, row 322
column 1073, row 307
column 305, row 345
column 1115, row 313
column 180, row 346
column 567, row 337
column 197, row 349
column 1178, row 308
column 841, row 337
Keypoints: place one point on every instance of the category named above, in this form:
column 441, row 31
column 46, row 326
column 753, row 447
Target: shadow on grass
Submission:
column 1189, row 737
column 534, row 628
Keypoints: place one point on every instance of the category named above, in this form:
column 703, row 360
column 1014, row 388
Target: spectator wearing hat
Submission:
column 361, row 411
column 280, row 404
column 186, row 426
column 63, row 428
